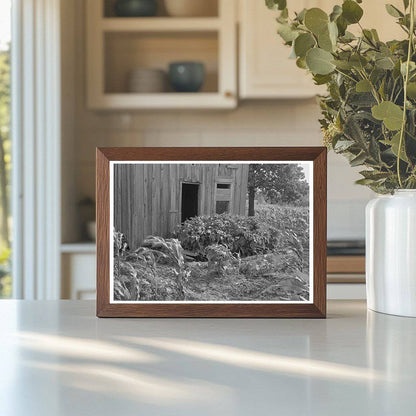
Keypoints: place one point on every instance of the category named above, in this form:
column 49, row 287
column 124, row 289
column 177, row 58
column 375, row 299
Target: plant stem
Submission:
column 392, row 90
column 406, row 80
column 373, row 89
column 346, row 75
column 367, row 38
column 397, row 95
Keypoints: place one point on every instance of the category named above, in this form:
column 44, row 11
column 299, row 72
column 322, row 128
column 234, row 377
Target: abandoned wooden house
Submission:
column 152, row 199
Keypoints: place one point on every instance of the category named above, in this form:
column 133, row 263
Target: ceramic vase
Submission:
column 391, row 253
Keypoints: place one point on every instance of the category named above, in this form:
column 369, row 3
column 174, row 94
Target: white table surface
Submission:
column 57, row 359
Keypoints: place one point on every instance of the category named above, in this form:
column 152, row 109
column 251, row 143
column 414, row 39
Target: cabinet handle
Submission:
column 228, row 94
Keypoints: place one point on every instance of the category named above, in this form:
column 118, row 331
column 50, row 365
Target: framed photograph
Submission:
column 211, row 232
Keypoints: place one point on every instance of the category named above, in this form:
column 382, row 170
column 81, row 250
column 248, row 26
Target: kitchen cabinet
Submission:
column 265, row 70
column 116, row 46
column 78, row 262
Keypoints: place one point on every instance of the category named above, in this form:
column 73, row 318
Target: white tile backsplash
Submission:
column 341, row 180
column 166, row 138
column 346, row 219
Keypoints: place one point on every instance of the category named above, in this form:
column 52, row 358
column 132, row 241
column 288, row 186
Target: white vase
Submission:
column 391, row 253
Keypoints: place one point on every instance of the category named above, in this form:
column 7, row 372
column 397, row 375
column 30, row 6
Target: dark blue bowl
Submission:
column 186, row 76
column 136, row 8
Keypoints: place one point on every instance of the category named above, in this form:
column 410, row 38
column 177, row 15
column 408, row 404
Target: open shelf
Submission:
column 160, row 24
column 127, row 51
column 130, row 101
column 108, row 9
column 116, row 46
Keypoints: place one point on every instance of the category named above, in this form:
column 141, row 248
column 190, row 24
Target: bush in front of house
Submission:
column 245, row 236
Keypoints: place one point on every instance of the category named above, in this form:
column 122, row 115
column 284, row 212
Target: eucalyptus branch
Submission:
column 392, row 90
column 398, row 95
column 404, row 29
column 345, row 75
column 369, row 41
column 405, row 81
column 379, row 120
column 373, row 89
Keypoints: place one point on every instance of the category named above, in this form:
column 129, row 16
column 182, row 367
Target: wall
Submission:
column 265, row 123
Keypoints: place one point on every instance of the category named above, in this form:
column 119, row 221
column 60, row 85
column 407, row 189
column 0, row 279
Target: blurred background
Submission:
column 99, row 73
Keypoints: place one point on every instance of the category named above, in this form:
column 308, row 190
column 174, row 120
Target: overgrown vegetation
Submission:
column 220, row 257
column 135, row 272
column 369, row 113
column 245, row 236
column 272, row 228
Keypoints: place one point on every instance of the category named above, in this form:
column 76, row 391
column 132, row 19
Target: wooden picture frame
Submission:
column 315, row 308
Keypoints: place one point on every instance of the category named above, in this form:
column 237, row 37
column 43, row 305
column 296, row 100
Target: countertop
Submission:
column 57, row 358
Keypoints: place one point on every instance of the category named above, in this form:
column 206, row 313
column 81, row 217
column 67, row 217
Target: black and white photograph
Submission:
column 211, row 232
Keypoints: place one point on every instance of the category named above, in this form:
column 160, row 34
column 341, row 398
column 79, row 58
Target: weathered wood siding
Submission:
column 147, row 197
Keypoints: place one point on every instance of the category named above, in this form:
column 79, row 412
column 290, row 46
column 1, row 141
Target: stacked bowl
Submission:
column 147, row 80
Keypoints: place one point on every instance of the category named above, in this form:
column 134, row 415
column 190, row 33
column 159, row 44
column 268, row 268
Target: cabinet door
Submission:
column 265, row 68
column 78, row 276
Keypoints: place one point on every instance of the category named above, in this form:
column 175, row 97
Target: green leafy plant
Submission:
column 369, row 113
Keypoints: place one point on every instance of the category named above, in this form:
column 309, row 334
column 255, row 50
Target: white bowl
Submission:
column 191, row 8
column 146, row 80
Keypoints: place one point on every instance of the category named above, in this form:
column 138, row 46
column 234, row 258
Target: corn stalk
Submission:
column 173, row 251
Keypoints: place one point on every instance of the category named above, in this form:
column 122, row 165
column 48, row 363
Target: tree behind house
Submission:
column 279, row 183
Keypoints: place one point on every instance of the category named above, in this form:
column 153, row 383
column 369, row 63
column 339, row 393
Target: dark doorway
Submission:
column 189, row 200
